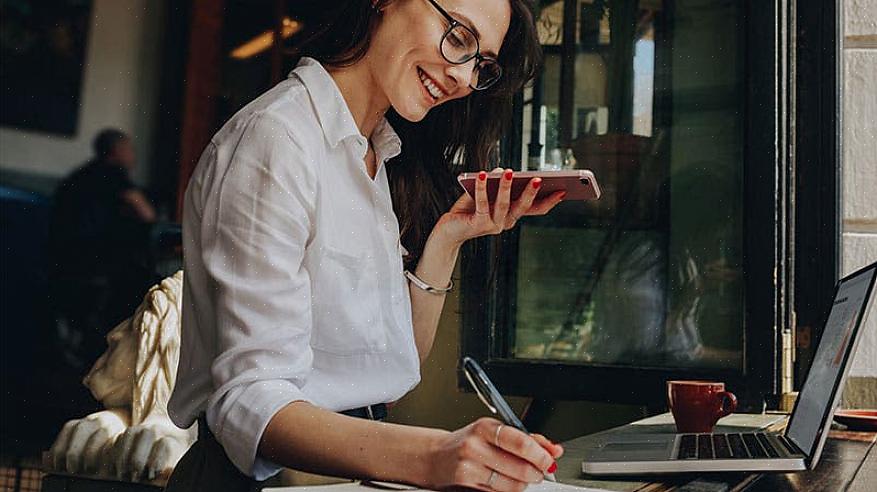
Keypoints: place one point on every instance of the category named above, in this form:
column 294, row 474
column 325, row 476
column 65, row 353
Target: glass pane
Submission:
column 648, row 95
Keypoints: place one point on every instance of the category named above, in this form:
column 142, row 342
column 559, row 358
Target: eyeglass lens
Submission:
column 459, row 45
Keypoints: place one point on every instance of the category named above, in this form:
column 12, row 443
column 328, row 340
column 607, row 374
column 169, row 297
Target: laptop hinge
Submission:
column 790, row 445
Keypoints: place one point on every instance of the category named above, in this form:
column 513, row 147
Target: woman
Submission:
column 296, row 302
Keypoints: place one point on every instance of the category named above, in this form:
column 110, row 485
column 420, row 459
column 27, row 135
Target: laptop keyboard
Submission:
column 725, row 446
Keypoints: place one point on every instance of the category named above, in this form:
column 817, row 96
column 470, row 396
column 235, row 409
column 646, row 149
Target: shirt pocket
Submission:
column 348, row 319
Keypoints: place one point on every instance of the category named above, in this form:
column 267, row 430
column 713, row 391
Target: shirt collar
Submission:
column 332, row 110
column 334, row 115
column 386, row 141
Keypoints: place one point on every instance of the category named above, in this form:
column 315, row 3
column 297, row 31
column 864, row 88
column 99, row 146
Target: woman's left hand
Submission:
column 471, row 217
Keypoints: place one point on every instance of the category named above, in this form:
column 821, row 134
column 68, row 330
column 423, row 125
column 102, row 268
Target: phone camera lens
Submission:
column 585, row 181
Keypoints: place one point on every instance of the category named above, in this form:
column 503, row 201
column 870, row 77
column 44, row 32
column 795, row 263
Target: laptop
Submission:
column 798, row 448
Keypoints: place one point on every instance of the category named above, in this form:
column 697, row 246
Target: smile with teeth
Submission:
column 430, row 85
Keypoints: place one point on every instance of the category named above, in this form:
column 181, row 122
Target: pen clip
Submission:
column 483, row 398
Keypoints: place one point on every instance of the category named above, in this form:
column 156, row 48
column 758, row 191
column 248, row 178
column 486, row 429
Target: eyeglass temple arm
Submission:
column 444, row 13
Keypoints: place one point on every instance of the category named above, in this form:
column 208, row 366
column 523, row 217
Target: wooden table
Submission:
column 848, row 463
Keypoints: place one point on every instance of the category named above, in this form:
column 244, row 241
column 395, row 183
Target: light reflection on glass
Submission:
column 650, row 274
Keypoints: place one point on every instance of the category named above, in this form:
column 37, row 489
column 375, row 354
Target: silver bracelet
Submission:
column 425, row 286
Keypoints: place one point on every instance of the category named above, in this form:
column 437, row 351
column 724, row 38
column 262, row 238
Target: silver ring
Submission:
column 496, row 436
column 490, row 479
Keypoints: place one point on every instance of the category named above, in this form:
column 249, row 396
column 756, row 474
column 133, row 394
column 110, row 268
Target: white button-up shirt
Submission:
column 294, row 286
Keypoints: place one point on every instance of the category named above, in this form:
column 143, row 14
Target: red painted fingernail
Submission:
column 508, row 174
column 563, row 195
column 537, row 183
column 482, row 176
column 552, row 468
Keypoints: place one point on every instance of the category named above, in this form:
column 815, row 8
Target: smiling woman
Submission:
column 453, row 130
column 300, row 324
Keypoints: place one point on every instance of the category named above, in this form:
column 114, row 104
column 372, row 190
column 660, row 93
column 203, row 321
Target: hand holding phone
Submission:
column 496, row 201
column 578, row 184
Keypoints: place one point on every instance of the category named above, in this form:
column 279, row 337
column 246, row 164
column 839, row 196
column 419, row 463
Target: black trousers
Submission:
column 206, row 468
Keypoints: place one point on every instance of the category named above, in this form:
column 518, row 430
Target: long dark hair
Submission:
column 460, row 135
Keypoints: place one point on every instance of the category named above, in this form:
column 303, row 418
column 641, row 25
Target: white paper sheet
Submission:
column 545, row 486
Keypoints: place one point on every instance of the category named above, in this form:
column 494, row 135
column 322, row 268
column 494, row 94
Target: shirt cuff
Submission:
column 247, row 411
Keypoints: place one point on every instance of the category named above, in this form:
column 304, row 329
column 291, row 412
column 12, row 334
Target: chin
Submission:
column 413, row 111
column 408, row 115
column 410, row 102
column 413, row 117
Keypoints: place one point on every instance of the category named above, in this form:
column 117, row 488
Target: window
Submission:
column 683, row 268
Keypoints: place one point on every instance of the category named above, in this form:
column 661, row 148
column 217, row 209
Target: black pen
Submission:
column 491, row 397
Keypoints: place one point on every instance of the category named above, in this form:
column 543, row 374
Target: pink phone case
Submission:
column 578, row 184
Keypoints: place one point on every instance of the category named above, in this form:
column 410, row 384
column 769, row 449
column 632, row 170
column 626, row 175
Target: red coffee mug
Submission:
column 698, row 405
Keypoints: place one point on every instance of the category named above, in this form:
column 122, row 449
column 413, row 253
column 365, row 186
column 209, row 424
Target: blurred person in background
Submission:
column 100, row 264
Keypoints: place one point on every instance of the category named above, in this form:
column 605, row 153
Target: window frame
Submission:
column 818, row 173
column 778, row 99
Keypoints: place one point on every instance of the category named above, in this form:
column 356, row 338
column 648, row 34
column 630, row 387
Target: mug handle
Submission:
column 729, row 404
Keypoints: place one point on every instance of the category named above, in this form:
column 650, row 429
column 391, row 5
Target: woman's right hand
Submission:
column 490, row 456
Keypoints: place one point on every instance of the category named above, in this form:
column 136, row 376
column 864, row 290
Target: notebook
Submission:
column 545, row 486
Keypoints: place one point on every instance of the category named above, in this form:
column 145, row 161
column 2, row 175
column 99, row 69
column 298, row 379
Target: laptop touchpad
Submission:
column 633, row 448
column 630, row 447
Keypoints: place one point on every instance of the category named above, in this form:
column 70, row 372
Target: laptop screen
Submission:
column 831, row 358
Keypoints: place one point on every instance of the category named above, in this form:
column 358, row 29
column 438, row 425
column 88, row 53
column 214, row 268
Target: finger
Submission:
column 556, row 450
column 523, row 203
column 482, row 206
column 503, row 197
column 544, row 205
column 503, row 483
column 505, row 463
column 525, row 447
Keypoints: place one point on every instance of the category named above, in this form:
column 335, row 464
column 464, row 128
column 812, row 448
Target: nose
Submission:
column 462, row 74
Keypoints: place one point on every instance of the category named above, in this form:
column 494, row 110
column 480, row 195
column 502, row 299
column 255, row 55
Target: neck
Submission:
column 364, row 98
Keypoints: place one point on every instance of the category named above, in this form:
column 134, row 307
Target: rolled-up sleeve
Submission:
column 256, row 224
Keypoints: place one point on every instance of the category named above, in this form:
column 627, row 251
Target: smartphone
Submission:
column 579, row 184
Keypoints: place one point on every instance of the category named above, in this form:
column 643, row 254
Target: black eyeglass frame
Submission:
column 479, row 58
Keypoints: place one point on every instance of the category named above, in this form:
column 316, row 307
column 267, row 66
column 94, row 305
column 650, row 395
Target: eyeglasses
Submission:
column 459, row 45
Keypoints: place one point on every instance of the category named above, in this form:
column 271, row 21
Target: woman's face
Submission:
column 405, row 50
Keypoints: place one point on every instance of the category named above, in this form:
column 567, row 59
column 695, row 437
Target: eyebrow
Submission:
column 471, row 25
